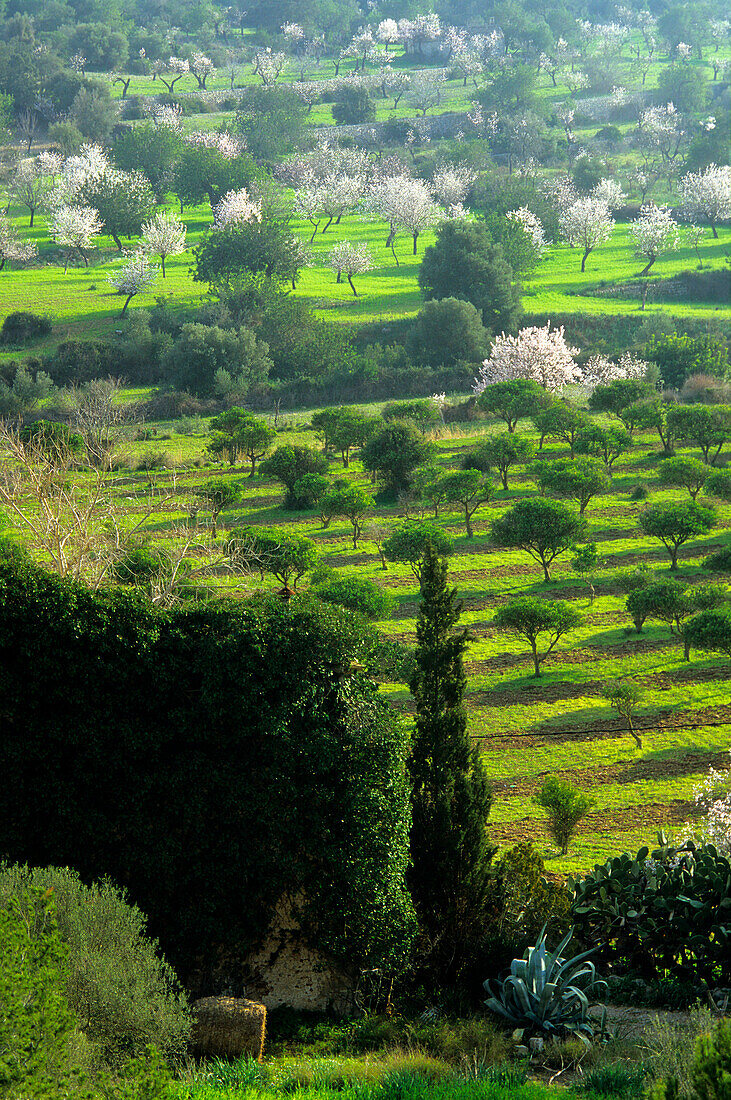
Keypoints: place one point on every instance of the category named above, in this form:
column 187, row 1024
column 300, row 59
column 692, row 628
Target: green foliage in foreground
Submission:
column 122, row 993
column 36, row 1023
column 658, row 912
column 116, row 684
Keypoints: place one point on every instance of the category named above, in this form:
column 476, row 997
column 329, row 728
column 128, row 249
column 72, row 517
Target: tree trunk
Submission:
column 214, row 523
column 584, row 259
column 32, row 215
column 536, row 662
column 416, row 235
column 546, row 574
column 330, row 221
column 504, row 478
column 163, row 265
column 674, row 560
column 127, row 300
column 646, row 270
column 117, row 241
column 468, row 525
column 350, row 280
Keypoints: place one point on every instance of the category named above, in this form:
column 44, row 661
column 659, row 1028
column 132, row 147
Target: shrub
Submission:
column 547, row 993
column 122, row 992
column 659, row 913
column 357, row 594
column 36, row 1023
column 20, row 327
column 565, row 806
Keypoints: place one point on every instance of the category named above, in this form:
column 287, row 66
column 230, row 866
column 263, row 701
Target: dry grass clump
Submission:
column 229, row 1027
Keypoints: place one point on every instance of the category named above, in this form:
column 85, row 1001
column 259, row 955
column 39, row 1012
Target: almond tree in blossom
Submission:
column 706, row 195
column 74, row 229
column 136, row 276
column 235, row 207
column 405, row 204
column 176, row 67
column 538, row 354
column 349, row 260
column 163, row 235
column 586, row 223
column 11, row 246
column 655, row 231
column 202, row 67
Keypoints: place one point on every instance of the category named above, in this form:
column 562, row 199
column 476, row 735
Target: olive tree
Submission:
column 675, row 524
column 219, row 494
column 579, row 479
column 543, row 528
column 532, row 619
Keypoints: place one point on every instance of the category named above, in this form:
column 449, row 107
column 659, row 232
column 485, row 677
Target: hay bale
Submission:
column 228, row 1027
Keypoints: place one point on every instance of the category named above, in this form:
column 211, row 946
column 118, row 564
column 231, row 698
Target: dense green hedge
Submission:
column 207, row 760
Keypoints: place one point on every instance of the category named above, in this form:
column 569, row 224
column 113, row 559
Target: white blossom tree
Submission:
column 30, row 186
column 202, row 67
column 426, row 89
column 706, row 195
column 11, row 246
column 532, row 227
column 236, row 207
column 601, row 371
column 135, row 276
column 268, row 65
column 74, row 229
column 388, row 32
column 655, row 231
column 451, row 184
column 539, row 354
column 349, row 260
column 176, row 68
column 586, row 224
column 163, row 235
column 610, row 193
column 405, row 204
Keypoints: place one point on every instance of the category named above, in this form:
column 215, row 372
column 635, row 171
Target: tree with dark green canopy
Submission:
column 465, row 263
column 451, row 798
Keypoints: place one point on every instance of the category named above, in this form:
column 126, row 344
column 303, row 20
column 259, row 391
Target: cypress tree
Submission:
column 450, row 794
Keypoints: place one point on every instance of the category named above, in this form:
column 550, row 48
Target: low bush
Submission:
column 21, row 327
column 357, row 594
column 122, row 992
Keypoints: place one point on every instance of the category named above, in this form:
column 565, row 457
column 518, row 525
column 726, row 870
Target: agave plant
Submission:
column 546, row 992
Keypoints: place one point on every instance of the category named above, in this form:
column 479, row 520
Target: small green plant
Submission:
column 615, row 1079
column 565, row 805
column 625, row 696
column 548, row 993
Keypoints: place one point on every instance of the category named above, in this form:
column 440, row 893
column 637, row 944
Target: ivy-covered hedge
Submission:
column 206, row 759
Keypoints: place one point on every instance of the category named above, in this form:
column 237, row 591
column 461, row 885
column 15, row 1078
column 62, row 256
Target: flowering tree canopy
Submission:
column 74, row 228
column 587, row 223
column 136, row 275
column 236, row 206
column 349, row 260
column 539, row 354
column 655, row 231
column 11, row 246
column 707, row 195
column 163, row 236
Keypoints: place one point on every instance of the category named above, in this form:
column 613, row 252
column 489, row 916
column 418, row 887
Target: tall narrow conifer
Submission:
column 450, row 793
